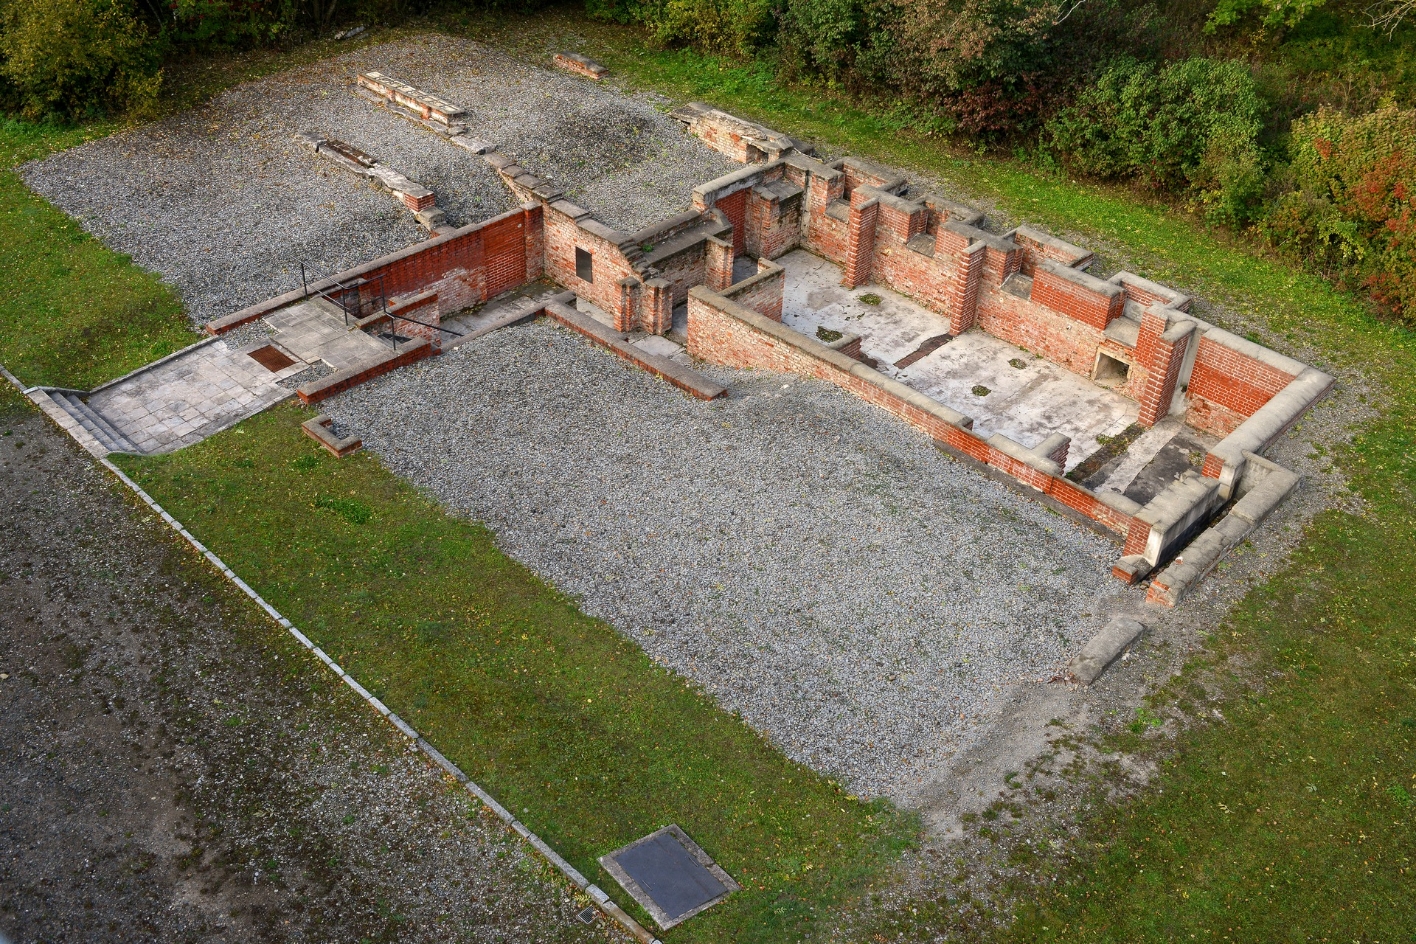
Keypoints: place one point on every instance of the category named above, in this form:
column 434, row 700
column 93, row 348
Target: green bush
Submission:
column 76, row 57
column 1347, row 207
column 1189, row 127
column 734, row 27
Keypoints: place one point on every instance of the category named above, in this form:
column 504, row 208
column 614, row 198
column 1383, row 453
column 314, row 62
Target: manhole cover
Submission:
column 669, row 875
column 272, row 358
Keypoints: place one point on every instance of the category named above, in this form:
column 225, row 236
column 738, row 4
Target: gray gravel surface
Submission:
column 173, row 767
column 225, row 205
column 814, row 563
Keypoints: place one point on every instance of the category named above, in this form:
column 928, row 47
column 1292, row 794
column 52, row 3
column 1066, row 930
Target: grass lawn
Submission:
column 72, row 312
column 567, row 723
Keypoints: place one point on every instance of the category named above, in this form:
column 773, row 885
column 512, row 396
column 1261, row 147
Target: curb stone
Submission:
column 595, row 893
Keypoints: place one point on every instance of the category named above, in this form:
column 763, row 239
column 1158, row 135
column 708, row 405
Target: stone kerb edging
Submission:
column 595, row 893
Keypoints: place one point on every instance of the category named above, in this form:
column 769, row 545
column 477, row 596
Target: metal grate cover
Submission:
column 272, row 358
column 669, row 875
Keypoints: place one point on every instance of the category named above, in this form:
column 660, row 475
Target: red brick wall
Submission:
column 825, row 235
column 720, row 338
column 734, row 207
column 610, row 265
column 1162, row 362
column 762, row 293
column 1075, row 301
column 466, row 267
column 860, row 242
column 772, row 228
column 1062, row 340
column 1227, row 387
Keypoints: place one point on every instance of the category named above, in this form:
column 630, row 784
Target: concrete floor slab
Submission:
column 1004, row 388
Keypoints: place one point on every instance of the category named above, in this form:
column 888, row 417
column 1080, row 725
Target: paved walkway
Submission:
column 183, row 400
column 216, row 384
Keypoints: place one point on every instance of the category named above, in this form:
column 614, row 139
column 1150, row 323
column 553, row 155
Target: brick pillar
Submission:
column 657, row 313
column 860, row 242
column 626, row 311
column 963, row 291
column 719, row 264
column 1160, row 348
column 764, row 211
column 534, row 233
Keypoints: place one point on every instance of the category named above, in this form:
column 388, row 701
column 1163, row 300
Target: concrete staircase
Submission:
column 88, row 426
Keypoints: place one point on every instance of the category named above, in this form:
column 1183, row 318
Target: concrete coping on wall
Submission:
column 1081, row 279
column 263, row 308
column 1075, row 256
column 890, row 179
column 1030, row 457
column 766, row 271
column 689, row 381
column 1174, row 512
column 975, row 235
column 342, row 380
column 819, row 351
column 656, row 232
column 952, row 209
column 810, row 165
column 1176, row 300
column 1258, row 352
column 1268, row 423
column 733, row 181
column 1271, row 485
column 893, row 201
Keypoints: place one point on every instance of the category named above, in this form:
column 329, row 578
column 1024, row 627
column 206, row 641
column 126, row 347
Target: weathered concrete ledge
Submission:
column 686, row 380
column 1266, row 485
column 1268, row 423
column 1104, row 648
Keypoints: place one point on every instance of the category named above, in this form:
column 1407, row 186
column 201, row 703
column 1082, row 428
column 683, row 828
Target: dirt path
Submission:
column 174, row 768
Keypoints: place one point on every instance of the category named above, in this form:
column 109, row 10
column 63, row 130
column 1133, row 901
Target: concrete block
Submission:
column 1104, row 648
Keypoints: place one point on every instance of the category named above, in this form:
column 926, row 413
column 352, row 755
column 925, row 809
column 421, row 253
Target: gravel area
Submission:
column 820, row 567
column 173, row 767
column 223, row 204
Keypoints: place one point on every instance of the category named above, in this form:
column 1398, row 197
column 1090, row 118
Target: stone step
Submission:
column 92, row 421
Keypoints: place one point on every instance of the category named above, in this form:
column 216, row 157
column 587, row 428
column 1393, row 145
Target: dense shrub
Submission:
column 75, row 57
column 1188, row 127
column 1349, row 208
column 735, row 27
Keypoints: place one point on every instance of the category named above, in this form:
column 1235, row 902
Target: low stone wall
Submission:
column 342, row 380
column 761, row 292
column 464, row 267
column 580, row 65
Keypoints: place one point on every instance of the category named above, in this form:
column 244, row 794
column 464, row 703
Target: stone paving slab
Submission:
column 188, row 398
column 313, row 331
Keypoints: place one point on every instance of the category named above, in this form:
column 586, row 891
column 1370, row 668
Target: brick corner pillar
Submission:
column 963, row 292
column 719, row 264
column 860, row 242
column 657, row 314
column 1160, row 348
column 626, row 311
column 533, row 219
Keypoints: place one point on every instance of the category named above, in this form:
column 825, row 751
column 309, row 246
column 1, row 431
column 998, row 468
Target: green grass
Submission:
column 565, row 721
column 72, row 312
